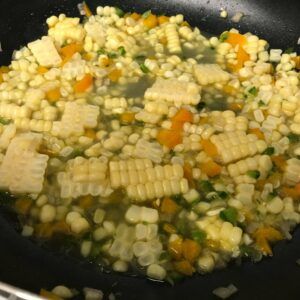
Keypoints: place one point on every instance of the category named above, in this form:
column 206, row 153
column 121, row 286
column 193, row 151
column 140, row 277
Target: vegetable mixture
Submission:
column 154, row 149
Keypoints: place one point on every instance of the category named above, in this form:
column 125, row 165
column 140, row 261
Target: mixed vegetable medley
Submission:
column 153, row 149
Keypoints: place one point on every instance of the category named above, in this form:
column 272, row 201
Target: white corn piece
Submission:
column 173, row 41
column 116, row 105
column 136, row 214
column 275, row 206
column 233, row 146
column 174, row 91
column 83, row 177
column 156, row 272
column 62, row 291
column 80, row 225
column 120, row 266
column 156, row 107
column 23, row 168
column 8, row 133
column 149, row 150
column 148, row 117
column 206, row 263
column 47, row 213
column 45, row 52
column 292, row 172
column 86, row 247
column 210, row 73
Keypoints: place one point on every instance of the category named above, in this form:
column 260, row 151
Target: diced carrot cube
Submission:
column 175, row 248
column 82, row 85
column 211, row 168
column 163, row 19
column 183, row 115
column 135, row 16
column 260, row 135
column 279, row 161
column 42, row 70
column 53, row 95
column 190, row 250
column 209, row 148
column 150, row 21
column 86, row 202
column 169, row 138
column 184, row 267
column 114, row 75
column 23, row 205
column 169, row 206
column 236, row 39
column 127, row 117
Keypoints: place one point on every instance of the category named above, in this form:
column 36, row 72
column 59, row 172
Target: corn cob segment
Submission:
column 173, row 41
column 174, row 91
column 12, row 111
column 292, row 172
column 23, row 168
column 210, row 73
column 45, row 52
column 75, row 118
column 115, row 105
column 145, row 149
column 261, row 163
column 83, row 177
column 132, row 176
column 7, row 135
column 227, row 121
column 233, row 146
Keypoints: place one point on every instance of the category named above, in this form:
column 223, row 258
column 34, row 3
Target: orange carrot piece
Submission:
column 235, row 106
column 175, row 248
column 184, row 267
column 162, row 19
column 228, row 89
column 297, row 61
column 279, row 161
column 87, row 10
column 49, row 295
column 68, row 51
column 4, row 69
column 209, row 148
column 114, row 75
column 127, row 117
column 242, row 57
column 211, row 168
column 260, row 135
column 53, row 95
column 190, row 250
column 183, row 115
column 265, row 235
column 135, row 16
column 82, row 85
column 236, row 39
column 23, row 205
column 150, row 21
column 188, row 174
column 169, row 206
column 169, row 138
column 42, row 70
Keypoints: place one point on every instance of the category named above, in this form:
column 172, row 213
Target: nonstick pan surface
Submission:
column 26, row 265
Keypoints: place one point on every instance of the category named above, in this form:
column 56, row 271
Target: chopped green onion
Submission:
column 289, row 50
column 293, row 138
column 119, row 12
column 198, row 235
column 164, row 256
column 229, row 214
column 261, row 103
column 182, row 227
column 206, row 186
column 122, row 50
column 77, row 152
column 269, row 151
column 101, row 51
column 144, row 68
column 146, row 14
column 4, row 121
column 223, row 194
column 224, row 36
column 253, row 174
column 253, row 91
column 112, row 55
column 250, row 252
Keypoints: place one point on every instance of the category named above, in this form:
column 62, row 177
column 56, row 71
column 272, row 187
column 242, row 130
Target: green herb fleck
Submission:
column 119, row 12
column 253, row 91
column 4, row 121
column 144, row 68
column 250, row 252
column 112, row 55
column 146, row 14
column 164, row 256
column 122, row 51
column 174, row 277
column 229, row 214
column 253, row 174
column 101, row 51
column 140, row 58
column 223, row 195
column 269, row 151
column 224, row 36
column 77, row 152
column 293, row 138
column 261, row 103
column 182, row 227
column 206, row 186
column 198, row 235
column 289, row 50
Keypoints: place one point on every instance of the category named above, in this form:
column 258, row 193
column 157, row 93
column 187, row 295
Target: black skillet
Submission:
column 24, row 264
